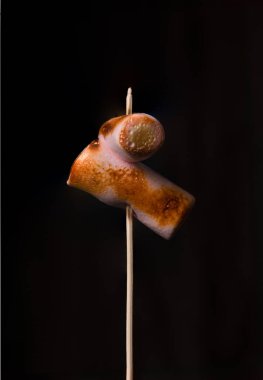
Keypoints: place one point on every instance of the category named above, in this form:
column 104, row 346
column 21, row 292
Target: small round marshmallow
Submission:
column 133, row 137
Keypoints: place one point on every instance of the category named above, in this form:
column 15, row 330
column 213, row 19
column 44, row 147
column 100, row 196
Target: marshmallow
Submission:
column 133, row 137
column 108, row 168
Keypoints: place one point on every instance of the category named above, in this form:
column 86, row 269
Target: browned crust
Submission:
column 141, row 135
column 109, row 126
column 167, row 205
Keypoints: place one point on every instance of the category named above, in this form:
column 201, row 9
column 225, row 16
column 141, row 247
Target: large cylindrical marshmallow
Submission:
column 104, row 169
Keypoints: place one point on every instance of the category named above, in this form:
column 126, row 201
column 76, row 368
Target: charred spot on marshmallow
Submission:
column 141, row 135
column 169, row 206
column 109, row 125
column 94, row 144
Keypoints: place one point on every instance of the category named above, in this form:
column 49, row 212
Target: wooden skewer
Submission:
column 129, row 299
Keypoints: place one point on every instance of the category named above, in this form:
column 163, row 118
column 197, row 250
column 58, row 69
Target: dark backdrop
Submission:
column 198, row 298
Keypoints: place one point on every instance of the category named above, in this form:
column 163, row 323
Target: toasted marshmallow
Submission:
column 108, row 169
column 133, row 137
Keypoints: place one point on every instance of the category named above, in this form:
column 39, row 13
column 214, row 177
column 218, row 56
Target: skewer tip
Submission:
column 129, row 91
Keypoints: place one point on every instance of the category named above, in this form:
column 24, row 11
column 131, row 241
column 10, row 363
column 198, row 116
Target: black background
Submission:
column 198, row 308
